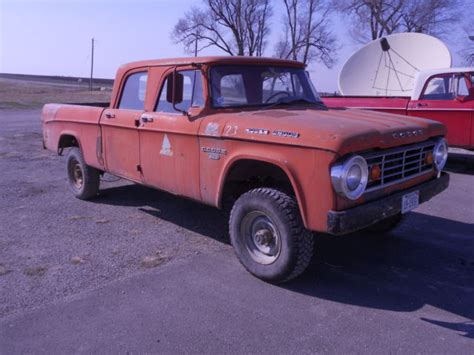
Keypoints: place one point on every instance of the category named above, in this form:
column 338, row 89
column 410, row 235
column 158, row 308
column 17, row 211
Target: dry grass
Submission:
column 17, row 94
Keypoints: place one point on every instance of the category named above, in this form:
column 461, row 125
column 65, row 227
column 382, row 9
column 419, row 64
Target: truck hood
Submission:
column 339, row 131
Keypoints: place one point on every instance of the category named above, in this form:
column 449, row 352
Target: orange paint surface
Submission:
column 192, row 155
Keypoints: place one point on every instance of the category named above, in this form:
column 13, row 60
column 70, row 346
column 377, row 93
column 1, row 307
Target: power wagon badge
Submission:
column 214, row 153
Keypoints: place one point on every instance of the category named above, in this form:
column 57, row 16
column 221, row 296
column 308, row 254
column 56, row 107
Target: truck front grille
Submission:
column 399, row 164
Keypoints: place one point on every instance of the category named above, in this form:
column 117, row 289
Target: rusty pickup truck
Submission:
column 253, row 132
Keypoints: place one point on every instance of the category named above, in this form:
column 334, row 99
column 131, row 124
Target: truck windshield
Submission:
column 246, row 85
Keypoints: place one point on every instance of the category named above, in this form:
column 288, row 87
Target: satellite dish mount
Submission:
column 385, row 45
column 388, row 62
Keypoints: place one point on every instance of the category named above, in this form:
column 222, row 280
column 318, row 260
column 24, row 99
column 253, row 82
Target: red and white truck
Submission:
column 444, row 95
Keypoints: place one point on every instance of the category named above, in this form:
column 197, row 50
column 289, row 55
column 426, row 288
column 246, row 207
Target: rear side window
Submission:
column 192, row 92
column 133, row 93
column 439, row 88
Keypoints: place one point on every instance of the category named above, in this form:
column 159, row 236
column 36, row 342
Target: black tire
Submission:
column 387, row 224
column 83, row 179
column 275, row 247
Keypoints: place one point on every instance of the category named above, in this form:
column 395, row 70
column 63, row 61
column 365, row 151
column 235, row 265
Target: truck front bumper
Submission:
column 353, row 219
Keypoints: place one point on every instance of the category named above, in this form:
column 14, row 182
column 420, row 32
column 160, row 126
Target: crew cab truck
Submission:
column 253, row 132
column 444, row 95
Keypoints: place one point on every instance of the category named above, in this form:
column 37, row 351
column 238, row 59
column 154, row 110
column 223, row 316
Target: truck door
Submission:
column 169, row 145
column 445, row 98
column 119, row 128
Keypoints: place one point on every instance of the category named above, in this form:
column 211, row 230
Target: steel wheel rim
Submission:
column 75, row 171
column 261, row 237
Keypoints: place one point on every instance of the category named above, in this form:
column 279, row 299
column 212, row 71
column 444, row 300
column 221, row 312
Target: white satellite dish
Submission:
column 387, row 66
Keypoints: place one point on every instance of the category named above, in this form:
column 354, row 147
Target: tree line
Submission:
column 242, row 27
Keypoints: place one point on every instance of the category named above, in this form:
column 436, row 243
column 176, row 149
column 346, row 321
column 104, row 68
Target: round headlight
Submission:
column 354, row 176
column 440, row 154
column 350, row 177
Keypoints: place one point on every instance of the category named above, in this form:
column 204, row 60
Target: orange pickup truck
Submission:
column 253, row 132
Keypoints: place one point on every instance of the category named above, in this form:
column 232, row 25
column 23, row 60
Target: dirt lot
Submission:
column 96, row 271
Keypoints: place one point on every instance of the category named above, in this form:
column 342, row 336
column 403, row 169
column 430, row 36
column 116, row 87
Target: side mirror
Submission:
column 468, row 97
column 174, row 90
column 471, row 92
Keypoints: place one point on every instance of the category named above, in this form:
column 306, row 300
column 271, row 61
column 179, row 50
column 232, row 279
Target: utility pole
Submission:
column 92, row 65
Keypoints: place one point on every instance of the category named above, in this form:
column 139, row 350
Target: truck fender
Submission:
column 67, row 139
column 278, row 164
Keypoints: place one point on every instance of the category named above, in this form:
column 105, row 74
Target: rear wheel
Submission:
column 268, row 235
column 83, row 179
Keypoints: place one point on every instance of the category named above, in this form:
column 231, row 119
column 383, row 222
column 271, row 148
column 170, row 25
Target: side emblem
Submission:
column 257, row 131
column 166, row 147
column 288, row 134
column 214, row 153
column 212, row 129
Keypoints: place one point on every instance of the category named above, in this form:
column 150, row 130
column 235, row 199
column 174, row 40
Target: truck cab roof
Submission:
column 211, row 60
column 424, row 75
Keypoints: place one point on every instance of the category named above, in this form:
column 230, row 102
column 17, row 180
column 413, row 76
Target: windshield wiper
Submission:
column 318, row 104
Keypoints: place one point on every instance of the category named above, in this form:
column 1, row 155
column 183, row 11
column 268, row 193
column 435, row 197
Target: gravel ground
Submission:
column 53, row 245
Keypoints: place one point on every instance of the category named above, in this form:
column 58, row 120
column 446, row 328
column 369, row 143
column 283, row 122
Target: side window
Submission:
column 133, row 93
column 462, row 86
column 192, row 92
column 275, row 87
column 440, row 88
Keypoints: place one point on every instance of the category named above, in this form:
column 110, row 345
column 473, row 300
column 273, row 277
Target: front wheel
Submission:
column 268, row 235
column 83, row 179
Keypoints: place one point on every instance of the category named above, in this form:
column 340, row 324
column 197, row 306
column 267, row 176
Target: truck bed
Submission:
column 61, row 122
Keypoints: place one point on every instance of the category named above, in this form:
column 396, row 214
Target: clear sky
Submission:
column 52, row 37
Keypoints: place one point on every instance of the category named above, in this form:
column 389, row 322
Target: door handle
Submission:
column 109, row 115
column 146, row 119
column 420, row 104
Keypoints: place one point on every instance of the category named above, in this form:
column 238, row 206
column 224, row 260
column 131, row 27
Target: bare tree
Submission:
column 376, row 17
column 470, row 54
column 429, row 16
column 373, row 19
column 307, row 36
column 467, row 51
column 237, row 27
column 466, row 40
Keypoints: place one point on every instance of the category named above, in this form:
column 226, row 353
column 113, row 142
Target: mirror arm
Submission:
column 184, row 112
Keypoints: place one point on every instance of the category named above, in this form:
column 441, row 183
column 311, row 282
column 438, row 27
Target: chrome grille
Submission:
column 399, row 164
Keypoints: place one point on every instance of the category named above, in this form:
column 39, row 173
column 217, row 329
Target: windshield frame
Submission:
column 263, row 105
